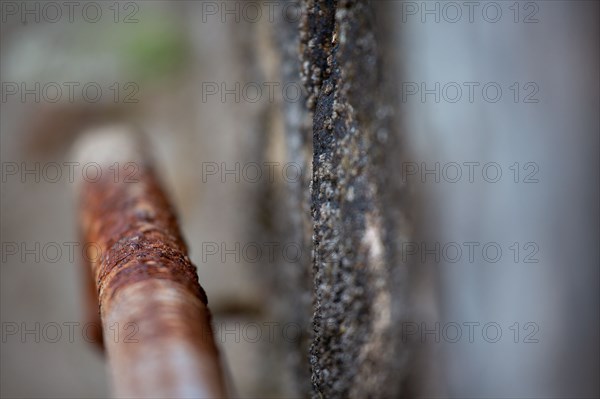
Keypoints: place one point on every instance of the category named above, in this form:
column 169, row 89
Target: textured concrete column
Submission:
column 355, row 205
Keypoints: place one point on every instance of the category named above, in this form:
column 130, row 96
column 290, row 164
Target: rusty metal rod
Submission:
column 155, row 319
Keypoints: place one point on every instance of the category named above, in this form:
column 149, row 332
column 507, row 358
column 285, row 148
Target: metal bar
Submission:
column 155, row 319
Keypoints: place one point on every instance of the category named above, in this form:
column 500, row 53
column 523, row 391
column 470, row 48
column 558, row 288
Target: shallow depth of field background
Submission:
column 172, row 50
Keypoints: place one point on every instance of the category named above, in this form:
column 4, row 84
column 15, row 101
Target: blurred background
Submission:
column 528, row 78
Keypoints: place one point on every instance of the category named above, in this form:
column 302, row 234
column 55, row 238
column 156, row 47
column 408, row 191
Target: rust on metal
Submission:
column 156, row 323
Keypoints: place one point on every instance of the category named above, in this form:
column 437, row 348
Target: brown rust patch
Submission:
column 132, row 224
column 154, row 312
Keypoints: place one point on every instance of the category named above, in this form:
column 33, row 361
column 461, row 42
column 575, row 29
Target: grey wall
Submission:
column 559, row 213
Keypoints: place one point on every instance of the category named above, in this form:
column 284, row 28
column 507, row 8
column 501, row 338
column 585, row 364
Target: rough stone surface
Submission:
column 357, row 280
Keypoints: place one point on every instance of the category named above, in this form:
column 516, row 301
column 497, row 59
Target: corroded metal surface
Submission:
column 154, row 313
